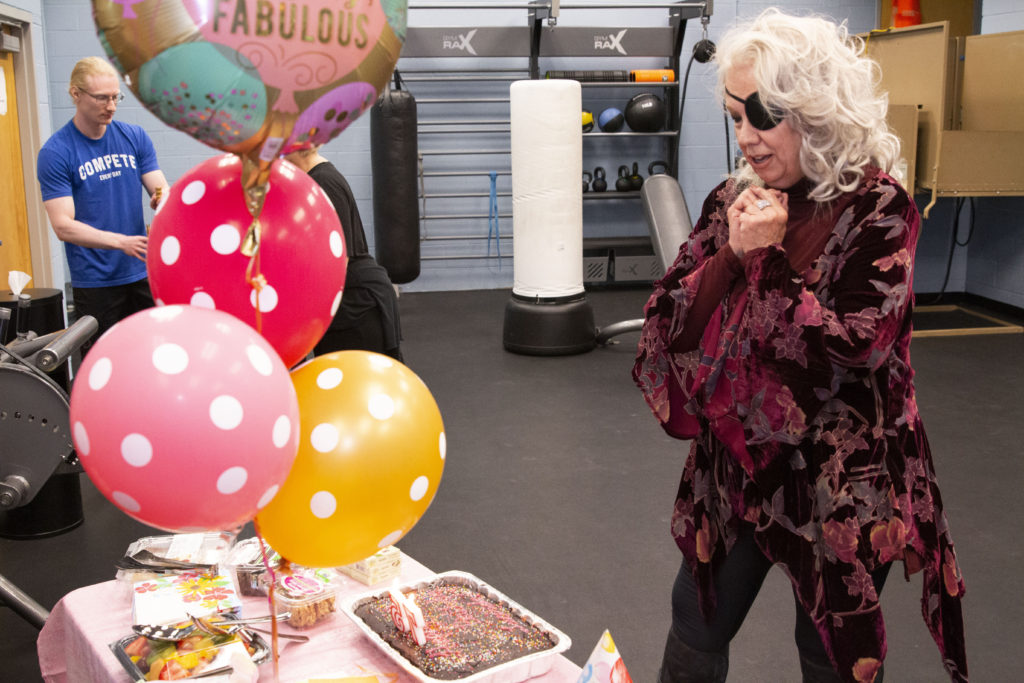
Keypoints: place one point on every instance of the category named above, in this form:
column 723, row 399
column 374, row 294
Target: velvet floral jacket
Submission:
column 795, row 386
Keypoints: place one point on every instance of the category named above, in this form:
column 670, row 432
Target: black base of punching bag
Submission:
column 549, row 327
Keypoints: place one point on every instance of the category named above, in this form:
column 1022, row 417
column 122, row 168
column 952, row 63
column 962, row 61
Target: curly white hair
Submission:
column 817, row 75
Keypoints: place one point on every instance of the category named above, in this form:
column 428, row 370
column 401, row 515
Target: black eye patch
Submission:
column 758, row 115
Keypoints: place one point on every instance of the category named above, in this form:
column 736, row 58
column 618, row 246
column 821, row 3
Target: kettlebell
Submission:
column 624, row 183
column 586, row 180
column 599, row 184
column 655, row 164
column 636, row 180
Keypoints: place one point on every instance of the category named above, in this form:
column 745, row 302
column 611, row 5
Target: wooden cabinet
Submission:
column 969, row 132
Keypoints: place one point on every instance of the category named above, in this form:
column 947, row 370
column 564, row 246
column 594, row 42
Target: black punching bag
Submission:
column 396, row 216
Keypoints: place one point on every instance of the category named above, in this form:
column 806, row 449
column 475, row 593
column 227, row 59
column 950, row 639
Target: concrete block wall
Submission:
column 69, row 33
column 999, row 16
column 995, row 263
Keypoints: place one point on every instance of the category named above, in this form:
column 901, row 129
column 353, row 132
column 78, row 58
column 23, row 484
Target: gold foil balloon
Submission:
column 371, row 455
column 131, row 42
column 238, row 74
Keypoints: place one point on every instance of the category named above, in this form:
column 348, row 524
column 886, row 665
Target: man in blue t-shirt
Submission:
column 91, row 172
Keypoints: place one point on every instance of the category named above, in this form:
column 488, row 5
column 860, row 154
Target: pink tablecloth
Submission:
column 74, row 644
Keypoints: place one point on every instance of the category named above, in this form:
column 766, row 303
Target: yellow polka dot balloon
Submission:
column 371, row 454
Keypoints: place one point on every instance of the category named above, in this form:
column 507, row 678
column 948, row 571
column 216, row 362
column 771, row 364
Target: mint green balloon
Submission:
column 208, row 91
column 398, row 16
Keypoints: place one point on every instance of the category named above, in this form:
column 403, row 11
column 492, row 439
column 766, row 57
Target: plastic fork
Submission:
column 233, row 627
column 175, row 632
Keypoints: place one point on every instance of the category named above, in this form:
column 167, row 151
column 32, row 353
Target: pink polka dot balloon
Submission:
column 185, row 418
column 371, row 454
column 194, row 252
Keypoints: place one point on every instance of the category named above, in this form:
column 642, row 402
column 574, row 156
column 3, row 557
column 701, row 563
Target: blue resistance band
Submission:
column 492, row 220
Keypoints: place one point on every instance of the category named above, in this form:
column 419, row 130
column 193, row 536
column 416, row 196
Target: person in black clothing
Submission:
column 367, row 319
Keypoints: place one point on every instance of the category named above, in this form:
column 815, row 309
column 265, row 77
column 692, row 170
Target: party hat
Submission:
column 605, row 665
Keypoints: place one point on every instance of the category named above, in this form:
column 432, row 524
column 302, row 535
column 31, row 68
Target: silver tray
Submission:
column 521, row 669
column 260, row 655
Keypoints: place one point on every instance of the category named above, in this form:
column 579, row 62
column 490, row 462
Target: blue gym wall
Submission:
column 991, row 265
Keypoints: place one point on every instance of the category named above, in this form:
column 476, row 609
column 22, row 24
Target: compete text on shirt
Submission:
column 106, row 163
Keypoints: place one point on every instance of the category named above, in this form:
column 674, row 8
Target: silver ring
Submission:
column 762, row 204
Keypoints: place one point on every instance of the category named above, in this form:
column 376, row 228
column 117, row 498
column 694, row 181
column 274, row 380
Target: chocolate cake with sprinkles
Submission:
column 466, row 632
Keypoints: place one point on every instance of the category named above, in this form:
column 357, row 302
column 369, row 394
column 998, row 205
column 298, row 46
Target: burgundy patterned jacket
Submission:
column 790, row 371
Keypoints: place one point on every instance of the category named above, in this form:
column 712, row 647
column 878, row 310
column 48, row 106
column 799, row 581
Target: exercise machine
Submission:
column 37, row 457
column 668, row 221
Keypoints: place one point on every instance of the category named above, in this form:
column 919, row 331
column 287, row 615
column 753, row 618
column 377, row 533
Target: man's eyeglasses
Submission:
column 760, row 117
column 105, row 99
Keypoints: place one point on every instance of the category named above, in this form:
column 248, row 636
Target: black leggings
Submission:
column 737, row 584
column 368, row 335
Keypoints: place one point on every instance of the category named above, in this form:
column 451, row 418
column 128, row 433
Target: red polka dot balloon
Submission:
column 185, row 419
column 194, row 253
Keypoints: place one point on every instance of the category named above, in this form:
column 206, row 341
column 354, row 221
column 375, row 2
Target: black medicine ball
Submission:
column 645, row 113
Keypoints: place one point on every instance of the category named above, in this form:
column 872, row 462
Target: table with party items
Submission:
column 210, row 615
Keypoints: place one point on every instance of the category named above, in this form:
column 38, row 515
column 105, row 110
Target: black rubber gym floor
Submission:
column 559, row 485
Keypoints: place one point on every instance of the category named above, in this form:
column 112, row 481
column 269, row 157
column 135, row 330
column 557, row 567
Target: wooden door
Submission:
column 14, row 238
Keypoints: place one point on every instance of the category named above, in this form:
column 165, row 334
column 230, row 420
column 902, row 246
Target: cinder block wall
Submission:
column 992, row 264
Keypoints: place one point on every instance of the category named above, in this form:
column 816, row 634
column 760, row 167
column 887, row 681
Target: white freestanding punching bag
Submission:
column 548, row 313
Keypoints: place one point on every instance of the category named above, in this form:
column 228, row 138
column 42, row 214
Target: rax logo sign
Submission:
column 611, row 41
column 460, row 42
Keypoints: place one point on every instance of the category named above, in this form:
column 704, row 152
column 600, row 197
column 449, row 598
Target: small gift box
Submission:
column 383, row 565
column 175, row 597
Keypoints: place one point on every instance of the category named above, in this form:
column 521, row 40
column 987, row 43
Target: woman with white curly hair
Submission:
column 778, row 343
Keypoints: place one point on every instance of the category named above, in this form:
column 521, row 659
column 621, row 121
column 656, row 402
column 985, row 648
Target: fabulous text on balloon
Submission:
column 262, row 22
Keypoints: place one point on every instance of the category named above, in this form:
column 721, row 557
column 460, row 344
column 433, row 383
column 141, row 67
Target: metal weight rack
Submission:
column 460, row 75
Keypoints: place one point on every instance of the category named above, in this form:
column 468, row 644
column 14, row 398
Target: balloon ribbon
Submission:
column 255, row 182
column 274, row 653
